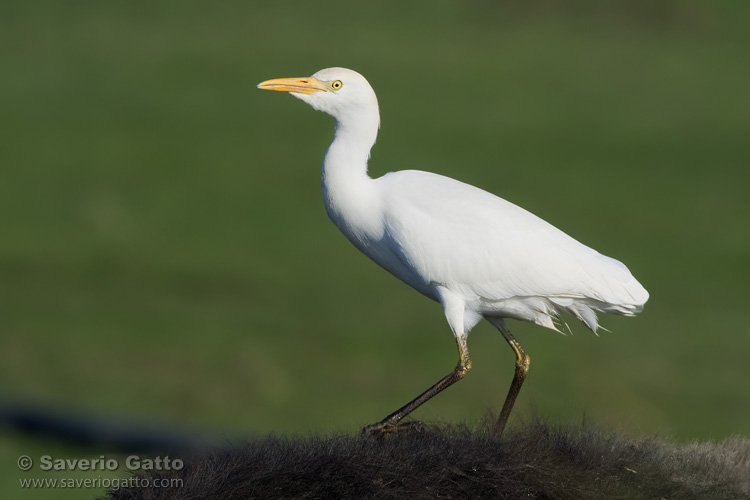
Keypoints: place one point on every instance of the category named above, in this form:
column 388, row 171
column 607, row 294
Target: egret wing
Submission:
column 454, row 234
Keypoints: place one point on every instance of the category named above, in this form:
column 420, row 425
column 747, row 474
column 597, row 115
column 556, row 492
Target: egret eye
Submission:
column 336, row 85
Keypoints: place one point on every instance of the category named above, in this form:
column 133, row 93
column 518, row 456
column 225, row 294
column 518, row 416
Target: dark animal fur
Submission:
column 535, row 462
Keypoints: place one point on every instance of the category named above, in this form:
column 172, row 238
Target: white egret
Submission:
column 476, row 254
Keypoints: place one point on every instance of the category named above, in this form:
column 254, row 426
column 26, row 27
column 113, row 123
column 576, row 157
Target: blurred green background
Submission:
column 166, row 257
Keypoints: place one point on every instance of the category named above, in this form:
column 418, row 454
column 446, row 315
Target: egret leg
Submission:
column 523, row 361
column 391, row 423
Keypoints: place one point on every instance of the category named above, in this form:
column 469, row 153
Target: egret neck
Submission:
column 348, row 191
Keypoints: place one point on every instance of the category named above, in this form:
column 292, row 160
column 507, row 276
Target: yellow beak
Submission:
column 305, row 85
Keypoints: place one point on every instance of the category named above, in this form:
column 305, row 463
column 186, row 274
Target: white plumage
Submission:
column 478, row 255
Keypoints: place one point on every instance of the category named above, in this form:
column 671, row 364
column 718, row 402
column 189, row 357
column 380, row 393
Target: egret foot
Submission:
column 523, row 361
column 391, row 424
column 386, row 428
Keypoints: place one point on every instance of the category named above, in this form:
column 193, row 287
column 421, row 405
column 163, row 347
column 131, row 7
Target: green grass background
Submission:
column 165, row 254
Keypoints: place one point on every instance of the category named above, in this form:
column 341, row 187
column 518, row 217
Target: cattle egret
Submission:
column 478, row 255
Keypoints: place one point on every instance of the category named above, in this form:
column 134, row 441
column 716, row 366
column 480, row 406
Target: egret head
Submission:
column 340, row 92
